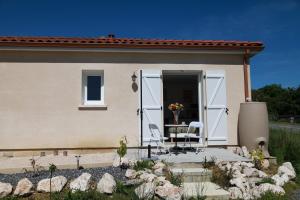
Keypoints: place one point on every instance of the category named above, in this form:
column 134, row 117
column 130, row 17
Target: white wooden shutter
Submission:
column 151, row 103
column 216, row 107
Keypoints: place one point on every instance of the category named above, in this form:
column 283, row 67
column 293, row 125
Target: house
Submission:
column 58, row 92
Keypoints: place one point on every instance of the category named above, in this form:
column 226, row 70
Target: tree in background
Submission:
column 280, row 101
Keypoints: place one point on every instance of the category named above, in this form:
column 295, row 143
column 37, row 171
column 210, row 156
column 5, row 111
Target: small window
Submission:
column 93, row 89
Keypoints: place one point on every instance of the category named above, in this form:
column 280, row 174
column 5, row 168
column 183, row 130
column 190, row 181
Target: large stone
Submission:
column 161, row 180
column 250, row 172
column 158, row 165
column 265, row 164
column 159, row 171
column 24, row 187
column 247, row 164
column 5, row 189
column 262, row 174
column 246, row 152
column 117, row 163
column 265, row 187
column 280, row 180
column 133, row 182
column 130, row 174
column 107, row 184
column 169, row 191
column 147, row 177
column 57, row 184
column 289, row 166
column 145, row 191
column 81, row 183
column 285, row 170
column 235, row 193
column 241, row 183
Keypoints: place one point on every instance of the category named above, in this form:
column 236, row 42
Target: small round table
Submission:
column 176, row 149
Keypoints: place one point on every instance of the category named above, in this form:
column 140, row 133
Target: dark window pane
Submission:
column 94, row 88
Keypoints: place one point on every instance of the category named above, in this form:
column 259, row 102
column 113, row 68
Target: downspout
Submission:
column 246, row 75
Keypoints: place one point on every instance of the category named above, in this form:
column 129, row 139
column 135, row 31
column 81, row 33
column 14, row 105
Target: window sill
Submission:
column 92, row 107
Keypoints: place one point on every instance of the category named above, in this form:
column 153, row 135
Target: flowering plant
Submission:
column 175, row 107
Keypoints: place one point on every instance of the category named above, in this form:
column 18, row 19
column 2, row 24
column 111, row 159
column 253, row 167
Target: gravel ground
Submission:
column 70, row 174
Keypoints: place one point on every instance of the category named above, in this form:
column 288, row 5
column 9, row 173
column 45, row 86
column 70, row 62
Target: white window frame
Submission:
column 85, row 74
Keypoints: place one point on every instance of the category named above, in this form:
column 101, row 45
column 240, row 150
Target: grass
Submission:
column 285, row 146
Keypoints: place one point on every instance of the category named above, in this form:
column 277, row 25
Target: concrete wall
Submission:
column 40, row 95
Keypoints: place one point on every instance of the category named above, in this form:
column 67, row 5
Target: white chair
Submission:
column 190, row 135
column 157, row 138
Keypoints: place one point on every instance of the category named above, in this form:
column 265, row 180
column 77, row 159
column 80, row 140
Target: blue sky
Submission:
column 274, row 22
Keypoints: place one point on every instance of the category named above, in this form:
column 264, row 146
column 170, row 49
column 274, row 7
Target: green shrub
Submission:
column 122, row 150
column 221, row 177
column 175, row 179
column 272, row 196
column 258, row 157
column 143, row 164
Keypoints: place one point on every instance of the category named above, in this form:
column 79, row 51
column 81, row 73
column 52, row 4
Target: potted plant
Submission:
column 176, row 108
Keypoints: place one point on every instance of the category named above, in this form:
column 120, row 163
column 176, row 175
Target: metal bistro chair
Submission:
column 193, row 126
column 157, row 138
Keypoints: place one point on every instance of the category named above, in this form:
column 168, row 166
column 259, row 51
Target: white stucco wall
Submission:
column 40, row 95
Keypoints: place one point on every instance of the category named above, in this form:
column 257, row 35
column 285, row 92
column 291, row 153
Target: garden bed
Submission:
column 70, row 174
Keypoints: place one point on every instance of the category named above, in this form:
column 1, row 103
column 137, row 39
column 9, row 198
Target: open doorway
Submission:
column 184, row 89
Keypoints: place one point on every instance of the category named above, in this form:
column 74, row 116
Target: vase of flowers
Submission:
column 176, row 108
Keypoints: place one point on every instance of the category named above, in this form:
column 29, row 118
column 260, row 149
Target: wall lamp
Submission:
column 133, row 77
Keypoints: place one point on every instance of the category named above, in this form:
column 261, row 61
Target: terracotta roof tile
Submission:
column 111, row 42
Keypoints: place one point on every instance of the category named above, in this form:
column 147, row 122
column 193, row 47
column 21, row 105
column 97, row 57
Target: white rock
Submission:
column 132, row 162
column 289, row 166
column 124, row 161
column 247, row 164
column 240, row 183
column 161, row 180
column 250, row 172
column 158, row 165
column 280, row 180
column 169, row 192
column 265, row 187
column 265, row 164
column 239, row 151
column 284, row 170
column 147, row 177
column 235, row 193
column 246, row 152
column 228, row 166
column 107, row 184
column 24, row 187
column 236, row 167
column 262, row 174
column 145, row 191
column 159, row 171
column 247, row 195
column 130, row 174
column 5, row 189
column 237, row 174
column 81, row 183
column 57, row 184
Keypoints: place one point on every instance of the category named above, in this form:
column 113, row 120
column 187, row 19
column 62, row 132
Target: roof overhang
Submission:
column 128, row 45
